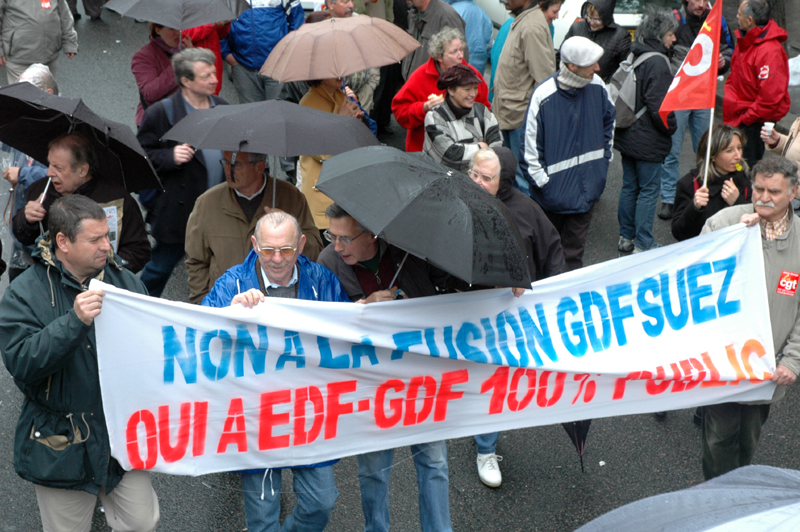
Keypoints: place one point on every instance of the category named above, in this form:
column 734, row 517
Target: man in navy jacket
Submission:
column 568, row 136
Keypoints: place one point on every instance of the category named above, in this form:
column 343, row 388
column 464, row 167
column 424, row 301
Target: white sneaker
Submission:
column 489, row 469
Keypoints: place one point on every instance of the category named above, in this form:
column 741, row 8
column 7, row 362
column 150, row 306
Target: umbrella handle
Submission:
column 398, row 270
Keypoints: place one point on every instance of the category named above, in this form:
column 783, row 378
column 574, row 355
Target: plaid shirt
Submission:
column 773, row 230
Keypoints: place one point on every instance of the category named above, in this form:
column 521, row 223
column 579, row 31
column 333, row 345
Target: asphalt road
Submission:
column 543, row 489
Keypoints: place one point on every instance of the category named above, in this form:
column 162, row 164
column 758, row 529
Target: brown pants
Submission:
column 132, row 506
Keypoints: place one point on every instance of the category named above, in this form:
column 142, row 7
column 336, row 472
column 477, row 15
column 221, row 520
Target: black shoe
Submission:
column 666, row 211
column 660, row 416
column 76, row 16
column 385, row 129
column 698, row 416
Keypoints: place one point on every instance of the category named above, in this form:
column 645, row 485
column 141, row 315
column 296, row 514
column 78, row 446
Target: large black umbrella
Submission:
column 577, row 431
column 274, row 127
column 430, row 211
column 30, row 118
column 179, row 14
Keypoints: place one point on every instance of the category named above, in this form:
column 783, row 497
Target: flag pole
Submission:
column 708, row 149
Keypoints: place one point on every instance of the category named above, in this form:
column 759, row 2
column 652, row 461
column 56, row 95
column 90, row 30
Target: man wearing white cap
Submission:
column 569, row 132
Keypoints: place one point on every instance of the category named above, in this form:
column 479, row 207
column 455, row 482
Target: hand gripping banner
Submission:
column 191, row 390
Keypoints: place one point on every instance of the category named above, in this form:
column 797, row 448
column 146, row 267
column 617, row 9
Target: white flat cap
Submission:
column 580, row 51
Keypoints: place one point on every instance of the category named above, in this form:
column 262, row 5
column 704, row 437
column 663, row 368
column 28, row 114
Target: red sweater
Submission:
column 208, row 37
column 407, row 105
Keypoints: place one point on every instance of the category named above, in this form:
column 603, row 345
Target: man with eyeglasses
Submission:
column 370, row 271
column 224, row 219
column 276, row 268
column 185, row 172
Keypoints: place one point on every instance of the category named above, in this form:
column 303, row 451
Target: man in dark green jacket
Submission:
column 48, row 344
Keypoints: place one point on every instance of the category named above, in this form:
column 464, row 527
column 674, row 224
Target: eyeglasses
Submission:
column 594, row 20
column 239, row 164
column 483, row 177
column 345, row 240
column 287, row 252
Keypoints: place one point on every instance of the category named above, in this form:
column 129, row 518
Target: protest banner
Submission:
column 192, row 390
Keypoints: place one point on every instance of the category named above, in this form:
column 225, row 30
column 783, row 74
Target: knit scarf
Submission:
column 570, row 80
column 170, row 51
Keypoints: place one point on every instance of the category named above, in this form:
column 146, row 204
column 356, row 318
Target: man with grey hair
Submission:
column 224, row 218
column 425, row 19
column 757, row 89
column 731, row 430
column 34, row 32
column 184, row 173
column 275, row 267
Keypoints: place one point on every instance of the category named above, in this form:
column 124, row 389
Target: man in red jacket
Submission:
column 757, row 89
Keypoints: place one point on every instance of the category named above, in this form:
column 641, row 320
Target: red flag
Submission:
column 695, row 84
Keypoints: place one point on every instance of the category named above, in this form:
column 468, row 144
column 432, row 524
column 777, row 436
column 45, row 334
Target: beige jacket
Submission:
column 780, row 254
column 527, row 59
column 789, row 146
column 218, row 233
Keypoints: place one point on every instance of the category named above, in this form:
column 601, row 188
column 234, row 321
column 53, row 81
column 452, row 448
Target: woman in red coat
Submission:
column 419, row 94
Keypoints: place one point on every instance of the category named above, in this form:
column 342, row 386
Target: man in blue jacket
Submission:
column 276, row 268
column 568, row 137
column 251, row 39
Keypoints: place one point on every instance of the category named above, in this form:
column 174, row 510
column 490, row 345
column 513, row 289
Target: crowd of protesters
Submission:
column 541, row 142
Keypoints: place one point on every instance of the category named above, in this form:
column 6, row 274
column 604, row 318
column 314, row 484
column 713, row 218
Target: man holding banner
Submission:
column 731, row 430
column 275, row 268
column 47, row 337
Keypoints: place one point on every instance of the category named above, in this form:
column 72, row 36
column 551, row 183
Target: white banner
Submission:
column 191, row 390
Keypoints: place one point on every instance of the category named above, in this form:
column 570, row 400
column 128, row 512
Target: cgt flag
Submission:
column 695, row 84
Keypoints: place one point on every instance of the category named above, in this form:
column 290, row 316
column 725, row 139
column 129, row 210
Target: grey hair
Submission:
column 655, row 24
column 255, row 157
column 39, row 75
column 444, row 37
column 770, row 166
column 183, row 62
column 276, row 218
column 66, row 215
column 485, row 154
column 336, row 212
column 758, row 9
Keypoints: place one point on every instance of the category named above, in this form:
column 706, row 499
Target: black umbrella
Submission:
column 577, row 431
column 430, row 211
column 30, row 118
column 179, row 14
column 274, row 127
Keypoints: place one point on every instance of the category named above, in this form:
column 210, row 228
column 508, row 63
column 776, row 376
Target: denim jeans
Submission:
column 158, row 269
column 486, row 443
column 698, row 122
column 316, row 494
column 514, row 140
column 433, row 483
column 641, row 182
column 254, row 87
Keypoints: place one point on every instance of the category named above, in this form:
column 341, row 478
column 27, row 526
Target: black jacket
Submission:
column 648, row 139
column 132, row 243
column 615, row 40
column 688, row 221
column 52, row 356
column 182, row 184
column 542, row 242
column 686, row 34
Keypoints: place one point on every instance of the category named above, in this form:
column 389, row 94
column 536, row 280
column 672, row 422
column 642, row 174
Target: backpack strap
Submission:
column 167, row 103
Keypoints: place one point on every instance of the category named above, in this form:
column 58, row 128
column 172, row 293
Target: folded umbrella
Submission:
column 337, row 47
column 274, row 127
column 30, row 118
column 578, row 430
column 430, row 211
column 179, row 14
